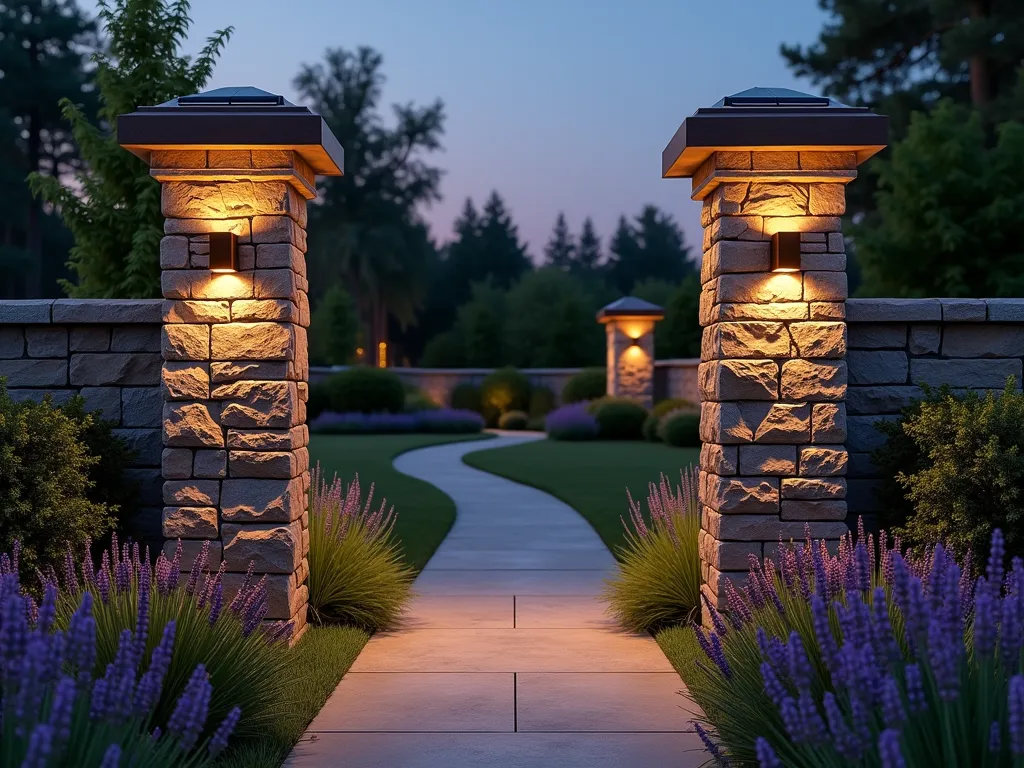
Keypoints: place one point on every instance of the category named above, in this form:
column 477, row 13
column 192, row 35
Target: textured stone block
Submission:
column 821, row 161
column 727, row 555
column 275, row 284
column 190, row 522
column 758, row 288
column 286, row 596
column 827, row 200
column 871, row 400
column 145, row 444
column 767, row 459
column 57, row 396
column 745, row 339
column 192, row 425
column 775, row 199
column 893, row 310
column 963, row 310
column 972, row 374
column 736, row 228
column 197, row 312
column 194, row 493
column 827, row 310
column 280, row 256
column 862, row 497
column 989, row 340
column 176, row 463
column 877, row 335
column 211, row 464
column 861, row 465
column 175, row 284
column 47, row 342
column 719, row 459
column 253, row 341
column 794, row 509
column 825, row 286
column 863, row 434
column 792, row 310
column 1005, row 310
column 186, row 381
column 228, row 199
column 147, row 483
column 173, row 252
column 190, row 551
column 186, row 342
column 259, row 404
column 925, row 339
column 135, row 338
column 34, row 373
column 728, row 256
column 25, row 312
column 141, row 406
column 828, row 422
column 877, row 367
column 190, row 226
column 739, row 380
column 261, row 500
column 221, row 372
column 272, row 548
column 823, row 262
column 822, row 460
column 814, row 381
column 229, row 158
column 803, row 224
column 766, row 528
column 741, row 495
column 89, row 339
column 115, row 368
column 280, row 310
column 206, row 286
column 178, row 158
column 819, row 339
column 816, row 488
column 265, row 464
column 110, row 311
column 106, row 400
column 783, row 423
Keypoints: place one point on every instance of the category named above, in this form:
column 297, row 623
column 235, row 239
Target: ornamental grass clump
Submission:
column 356, row 572
column 869, row 657
column 226, row 633
column 61, row 707
column 658, row 581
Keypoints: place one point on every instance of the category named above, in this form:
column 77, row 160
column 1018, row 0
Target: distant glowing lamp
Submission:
column 382, row 355
column 786, row 252
column 223, row 252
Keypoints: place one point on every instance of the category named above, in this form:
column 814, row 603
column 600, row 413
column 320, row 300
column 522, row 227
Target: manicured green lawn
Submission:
column 425, row 515
column 591, row 477
column 324, row 654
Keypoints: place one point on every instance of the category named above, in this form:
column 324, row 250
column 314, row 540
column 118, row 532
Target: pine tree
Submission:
column 334, row 328
column 560, row 252
column 652, row 247
column 588, row 252
column 506, row 257
column 113, row 209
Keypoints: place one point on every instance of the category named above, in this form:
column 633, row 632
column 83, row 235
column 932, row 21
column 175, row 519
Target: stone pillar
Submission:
column 772, row 374
column 235, row 371
column 629, row 330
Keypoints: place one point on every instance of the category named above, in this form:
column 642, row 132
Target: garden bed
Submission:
column 592, row 477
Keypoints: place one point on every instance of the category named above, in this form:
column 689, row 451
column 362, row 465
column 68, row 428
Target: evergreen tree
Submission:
column 334, row 328
column 588, row 252
column 560, row 252
column 113, row 209
column 481, row 326
column 679, row 334
column 43, row 50
column 651, row 248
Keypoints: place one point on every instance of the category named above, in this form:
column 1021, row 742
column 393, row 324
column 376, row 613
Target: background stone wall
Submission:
column 897, row 345
column 108, row 351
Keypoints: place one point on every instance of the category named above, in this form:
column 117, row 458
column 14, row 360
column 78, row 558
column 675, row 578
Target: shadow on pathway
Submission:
column 505, row 658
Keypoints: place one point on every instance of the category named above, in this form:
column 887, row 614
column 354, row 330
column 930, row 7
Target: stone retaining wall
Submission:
column 897, row 345
column 108, row 351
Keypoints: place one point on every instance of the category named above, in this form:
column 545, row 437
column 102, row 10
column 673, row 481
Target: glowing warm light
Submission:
column 635, row 351
column 780, row 287
column 382, row 355
column 228, row 284
column 360, row 351
column 636, row 329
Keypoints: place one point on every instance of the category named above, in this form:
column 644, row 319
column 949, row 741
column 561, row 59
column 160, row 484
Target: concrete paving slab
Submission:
column 460, row 612
column 499, row 750
column 616, row 702
column 440, row 581
column 514, row 559
column 414, row 702
column 517, row 650
column 562, row 612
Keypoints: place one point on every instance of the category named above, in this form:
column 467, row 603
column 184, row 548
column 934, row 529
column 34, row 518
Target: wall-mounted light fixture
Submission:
column 223, row 252
column 786, row 252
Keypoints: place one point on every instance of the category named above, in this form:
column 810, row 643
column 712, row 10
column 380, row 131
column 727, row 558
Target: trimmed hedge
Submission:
column 513, row 420
column 502, row 391
column 588, row 384
column 680, row 429
column 662, row 409
column 362, row 389
column 618, row 418
column 466, row 397
column 542, row 402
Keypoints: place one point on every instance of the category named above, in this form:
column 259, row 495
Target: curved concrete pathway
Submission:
column 505, row 658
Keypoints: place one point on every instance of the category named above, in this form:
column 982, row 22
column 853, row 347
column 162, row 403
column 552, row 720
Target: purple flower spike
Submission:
column 995, row 738
column 985, row 611
column 148, row 690
column 892, row 704
column 112, row 757
column 219, row 740
column 813, row 726
column 712, row 648
column 889, row 749
column 1015, row 718
column 799, row 664
column 709, row 744
column 766, row 757
column 915, row 688
column 190, row 713
column 862, row 563
column 40, row 745
column 62, row 708
column 996, row 555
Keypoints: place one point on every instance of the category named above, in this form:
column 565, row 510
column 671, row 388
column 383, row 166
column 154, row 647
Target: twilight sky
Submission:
column 557, row 104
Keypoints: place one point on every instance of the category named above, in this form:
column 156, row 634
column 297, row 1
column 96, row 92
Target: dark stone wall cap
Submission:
column 630, row 306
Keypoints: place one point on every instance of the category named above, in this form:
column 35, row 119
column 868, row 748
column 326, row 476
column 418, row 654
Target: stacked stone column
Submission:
column 773, row 374
column 235, row 367
column 631, row 359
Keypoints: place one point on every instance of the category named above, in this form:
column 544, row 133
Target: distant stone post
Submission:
column 771, row 162
column 235, row 370
column 629, row 328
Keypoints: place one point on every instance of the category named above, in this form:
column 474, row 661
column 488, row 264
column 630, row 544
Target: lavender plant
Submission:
column 218, row 620
column 56, row 710
column 867, row 657
column 658, row 579
column 571, row 422
column 356, row 572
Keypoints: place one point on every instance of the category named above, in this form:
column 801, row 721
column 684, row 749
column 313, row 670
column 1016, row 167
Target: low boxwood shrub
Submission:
column 366, row 390
column 850, row 659
column 46, row 482
column 449, row 421
column 502, row 391
column 217, row 625
column 356, row 572
column 953, row 470
column 433, row 421
column 513, row 420
column 619, row 418
column 61, row 708
column 588, row 384
column 680, row 429
column 542, row 402
column 658, row 578
column 319, row 400
column 571, row 422
column 659, row 410
column 416, row 400
column 466, row 397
